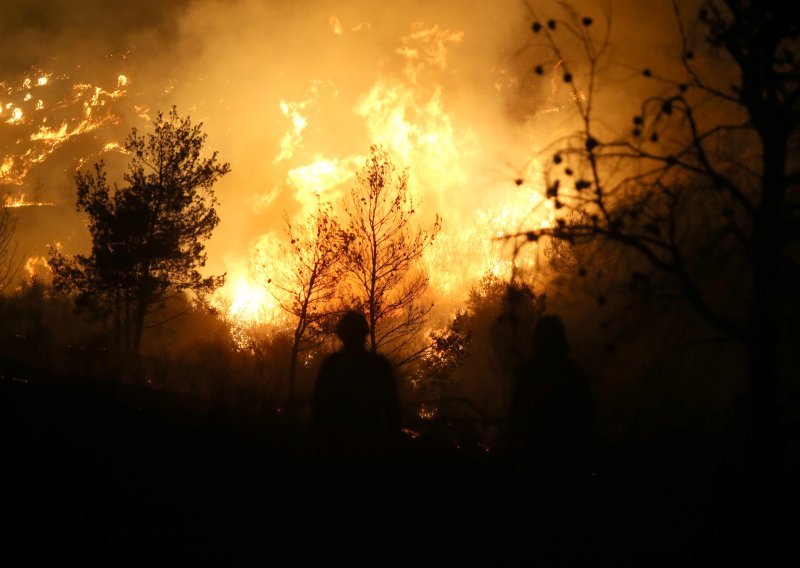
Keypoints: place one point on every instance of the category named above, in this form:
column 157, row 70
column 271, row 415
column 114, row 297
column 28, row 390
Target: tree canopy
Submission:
column 148, row 235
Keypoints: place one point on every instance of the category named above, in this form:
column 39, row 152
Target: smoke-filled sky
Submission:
column 292, row 94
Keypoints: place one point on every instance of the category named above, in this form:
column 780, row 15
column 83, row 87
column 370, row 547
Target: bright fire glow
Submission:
column 410, row 107
column 37, row 267
column 336, row 25
column 247, row 300
column 320, row 176
column 408, row 116
column 114, row 147
column 16, row 116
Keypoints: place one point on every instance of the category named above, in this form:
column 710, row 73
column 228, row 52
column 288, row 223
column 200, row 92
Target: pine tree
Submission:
column 148, row 235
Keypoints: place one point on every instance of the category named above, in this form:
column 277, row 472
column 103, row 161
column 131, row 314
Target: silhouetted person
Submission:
column 356, row 411
column 550, row 418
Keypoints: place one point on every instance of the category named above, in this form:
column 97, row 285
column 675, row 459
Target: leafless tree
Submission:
column 307, row 285
column 383, row 255
column 704, row 190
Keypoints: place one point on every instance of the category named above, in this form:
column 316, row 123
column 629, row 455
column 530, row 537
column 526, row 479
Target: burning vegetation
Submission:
column 513, row 209
column 449, row 212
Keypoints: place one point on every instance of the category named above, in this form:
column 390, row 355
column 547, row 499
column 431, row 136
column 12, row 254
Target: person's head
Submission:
column 550, row 337
column 352, row 329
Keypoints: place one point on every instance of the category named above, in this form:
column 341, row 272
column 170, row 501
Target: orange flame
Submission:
column 406, row 113
column 20, row 201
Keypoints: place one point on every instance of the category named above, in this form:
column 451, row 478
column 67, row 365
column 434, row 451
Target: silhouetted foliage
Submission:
column 147, row 236
column 24, row 332
column 383, row 254
column 703, row 191
column 512, row 329
column 449, row 346
column 473, row 358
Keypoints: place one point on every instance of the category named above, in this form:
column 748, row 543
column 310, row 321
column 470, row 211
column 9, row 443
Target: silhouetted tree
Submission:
column 448, row 348
column 384, row 250
column 8, row 258
column 703, row 191
column 473, row 358
column 520, row 311
column 147, row 236
column 308, row 284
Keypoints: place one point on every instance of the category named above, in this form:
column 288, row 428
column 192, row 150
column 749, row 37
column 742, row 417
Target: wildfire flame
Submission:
column 407, row 115
column 408, row 108
column 37, row 267
column 247, row 300
column 81, row 110
column 20, row 201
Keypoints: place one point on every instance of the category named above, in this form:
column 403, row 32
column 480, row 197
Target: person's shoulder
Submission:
column 380, row 361
column 331, row 361
column 377, row 357
column 334, row 356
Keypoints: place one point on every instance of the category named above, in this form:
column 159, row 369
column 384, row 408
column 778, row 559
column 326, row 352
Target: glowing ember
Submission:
column 336, row 25
column 21, row 201
column 37, row 267
column 46, row 133
column 6, row 167
column 74, row 110
column 16, row 116
column 114, row 147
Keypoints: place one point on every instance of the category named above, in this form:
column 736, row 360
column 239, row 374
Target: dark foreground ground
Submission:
column 91, row 475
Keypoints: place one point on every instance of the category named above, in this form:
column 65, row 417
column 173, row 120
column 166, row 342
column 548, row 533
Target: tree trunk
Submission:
column 373, row 345
column 117, row 320
column 763, row 333
column 292, row 393
column 127, row 324
column 138, row 328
